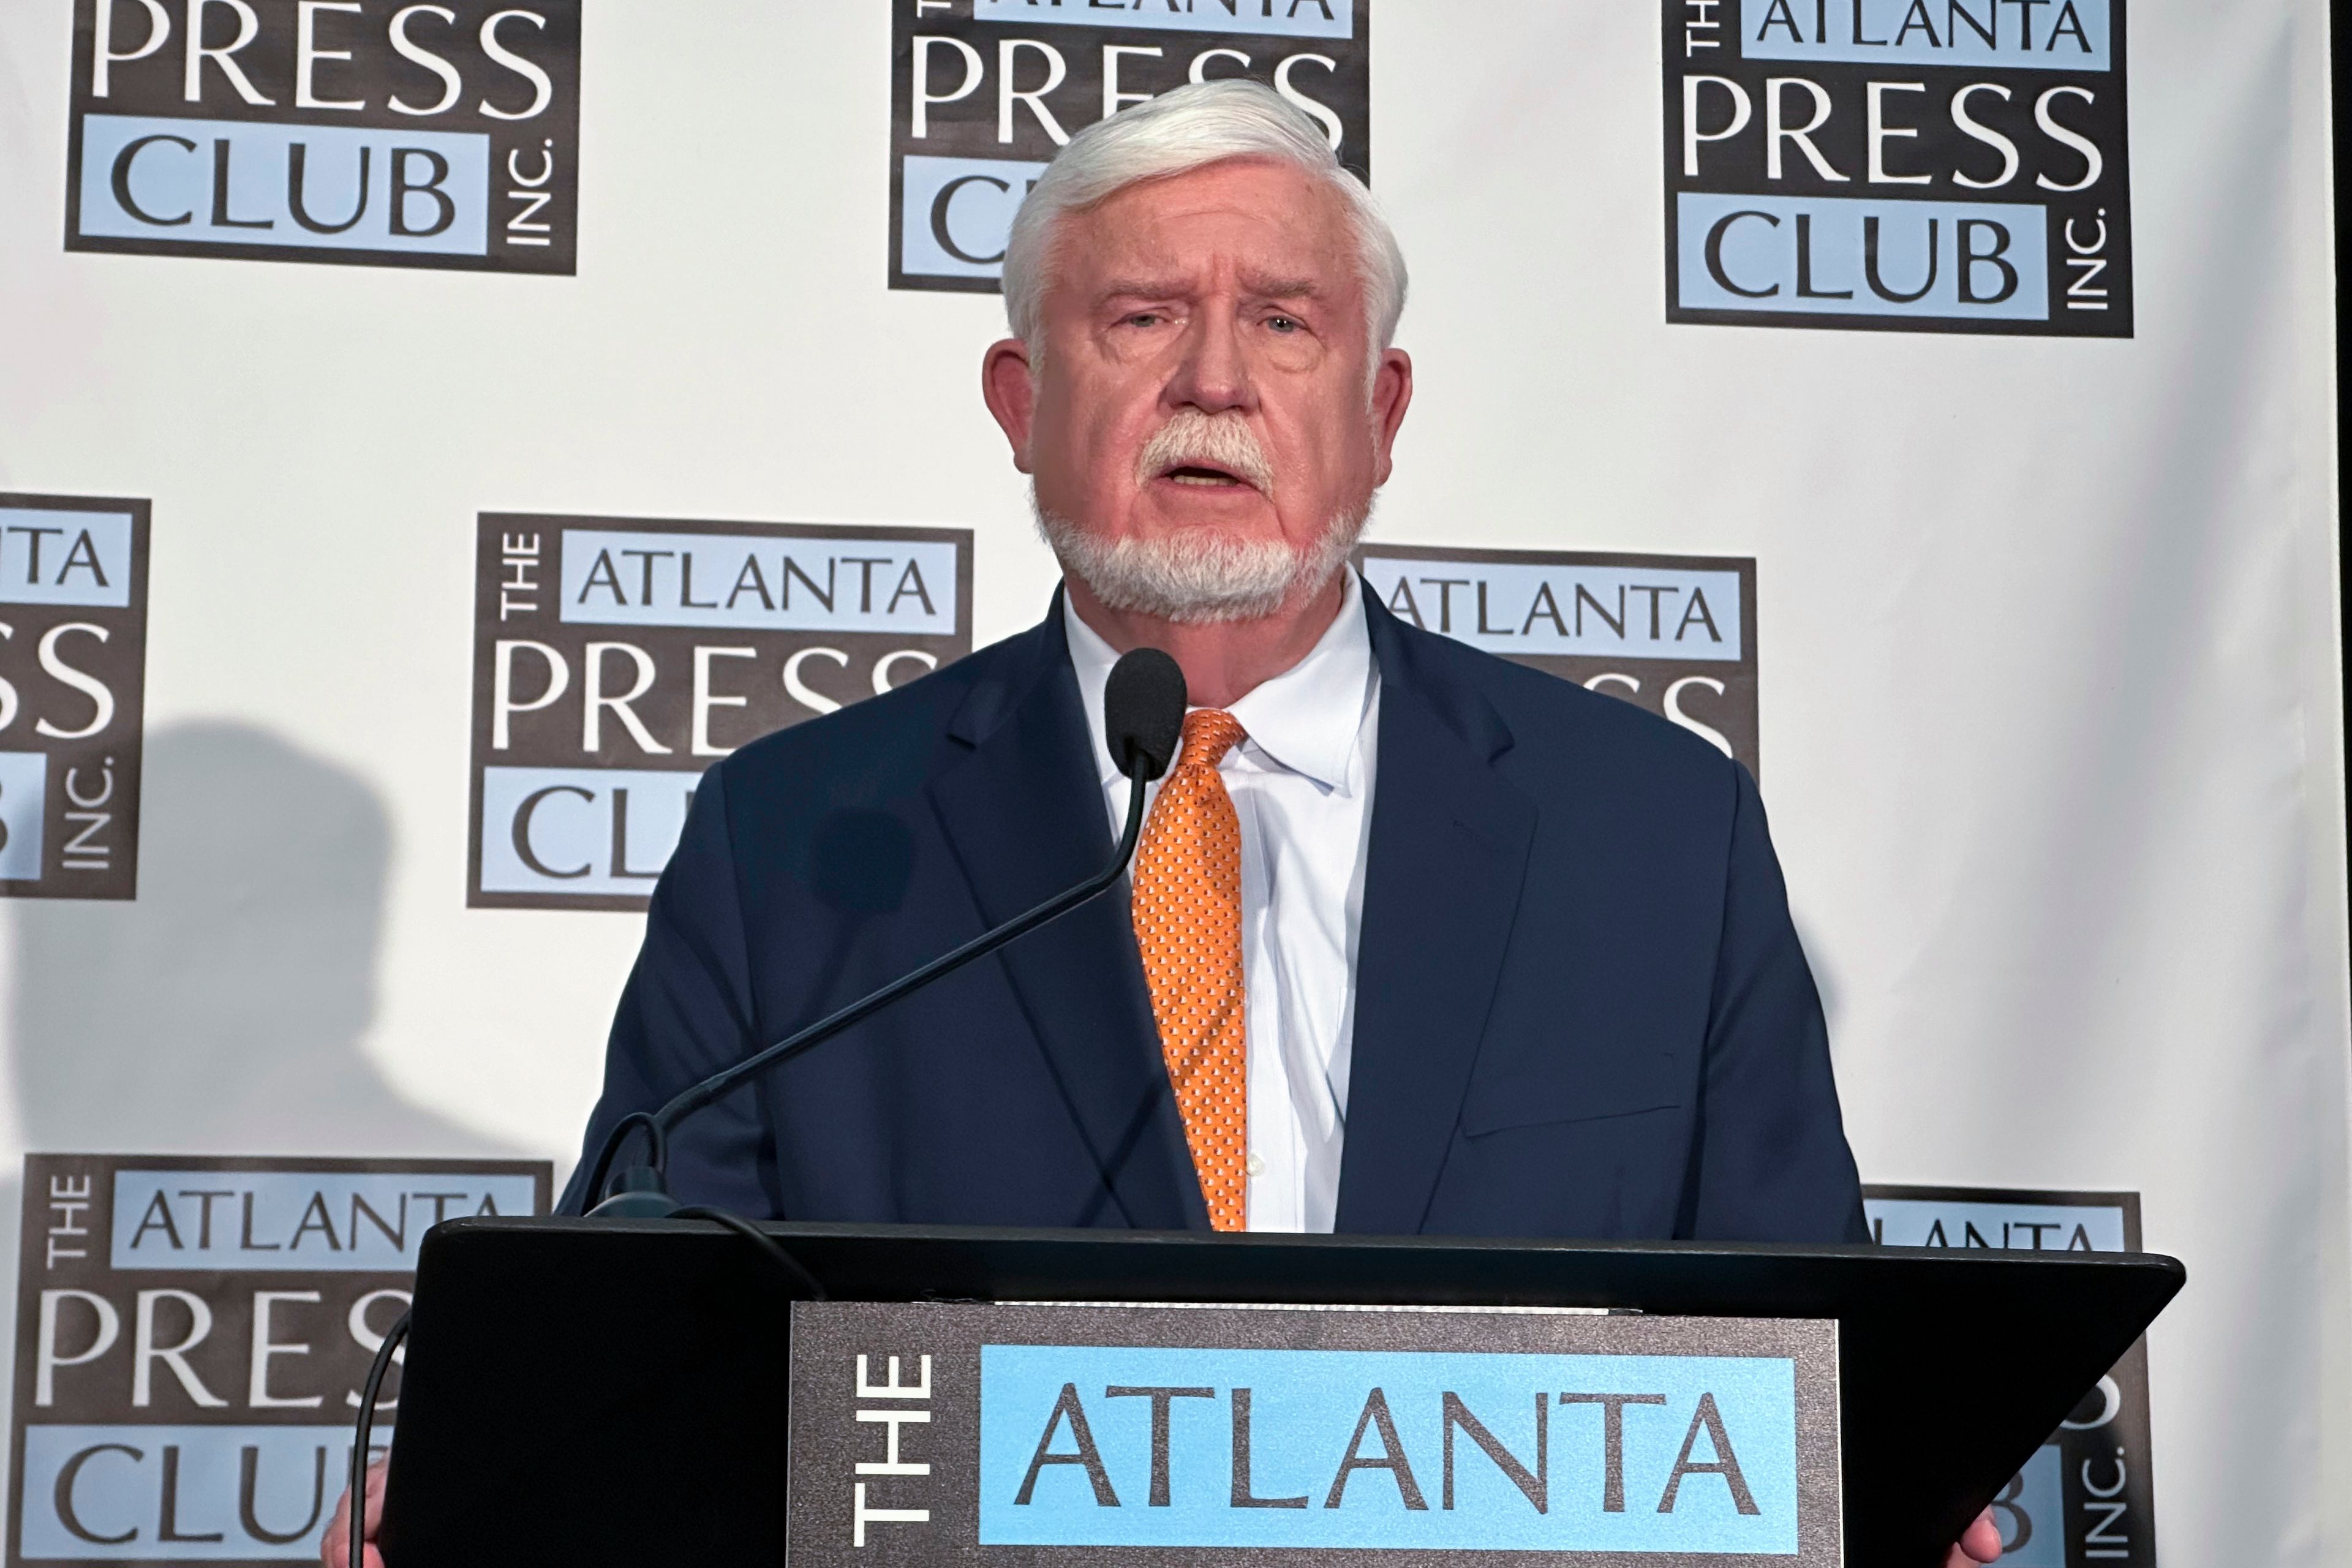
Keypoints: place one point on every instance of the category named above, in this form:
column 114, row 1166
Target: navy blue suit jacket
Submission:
column 1582, row 1009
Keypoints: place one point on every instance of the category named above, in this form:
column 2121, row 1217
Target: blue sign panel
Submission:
column 1118, row 1445
column 226, row 182
column 1839, row 256
column 2069, row 34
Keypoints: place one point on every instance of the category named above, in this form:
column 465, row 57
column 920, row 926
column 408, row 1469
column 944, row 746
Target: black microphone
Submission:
column 1143, row 712
column 1143, row 719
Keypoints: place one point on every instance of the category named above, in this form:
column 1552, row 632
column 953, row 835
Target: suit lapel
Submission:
column 1448, row 855
column 1024, row 812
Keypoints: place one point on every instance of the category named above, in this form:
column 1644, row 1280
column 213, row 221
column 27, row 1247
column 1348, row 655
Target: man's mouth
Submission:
column 1202, row 474
column 1217, row 454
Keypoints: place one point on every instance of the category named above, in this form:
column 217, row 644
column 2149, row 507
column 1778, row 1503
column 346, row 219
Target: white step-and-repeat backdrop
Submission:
column 429, row 432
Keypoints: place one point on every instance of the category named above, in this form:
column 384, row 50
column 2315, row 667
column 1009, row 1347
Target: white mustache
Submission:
column 1194, row 440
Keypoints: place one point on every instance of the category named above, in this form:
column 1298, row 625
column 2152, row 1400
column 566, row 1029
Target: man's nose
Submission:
column 1214, row 375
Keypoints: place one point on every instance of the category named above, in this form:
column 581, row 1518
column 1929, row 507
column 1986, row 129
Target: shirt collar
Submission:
column 1304, row 720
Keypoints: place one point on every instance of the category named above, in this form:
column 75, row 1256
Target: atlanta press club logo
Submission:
column 192, row 1333
column 1913, row 165
column 411, row 135
column 616, row 658
column 1673, row 634
column 983, row 93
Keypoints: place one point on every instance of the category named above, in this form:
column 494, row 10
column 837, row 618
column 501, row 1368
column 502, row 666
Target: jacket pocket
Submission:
column 1587, row 1086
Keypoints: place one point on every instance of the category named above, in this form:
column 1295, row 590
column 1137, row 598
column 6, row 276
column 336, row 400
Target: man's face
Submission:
column 1230, row 292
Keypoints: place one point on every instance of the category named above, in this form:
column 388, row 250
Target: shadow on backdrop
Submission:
column 221, row 1011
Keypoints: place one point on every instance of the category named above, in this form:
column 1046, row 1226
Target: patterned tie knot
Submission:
column 1209, row 734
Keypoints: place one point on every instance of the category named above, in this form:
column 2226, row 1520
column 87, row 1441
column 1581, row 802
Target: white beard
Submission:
column 1204, row 577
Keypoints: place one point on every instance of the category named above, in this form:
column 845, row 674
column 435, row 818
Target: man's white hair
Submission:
column 1175, row 134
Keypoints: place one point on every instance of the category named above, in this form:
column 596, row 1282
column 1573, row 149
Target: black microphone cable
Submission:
column 657, row 1150
column 793, row 1268
column 362, row 1429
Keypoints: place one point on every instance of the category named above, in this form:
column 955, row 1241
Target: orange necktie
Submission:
column 1188, row 925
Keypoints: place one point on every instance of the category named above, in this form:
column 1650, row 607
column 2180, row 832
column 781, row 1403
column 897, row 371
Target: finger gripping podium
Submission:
column 592, row 1392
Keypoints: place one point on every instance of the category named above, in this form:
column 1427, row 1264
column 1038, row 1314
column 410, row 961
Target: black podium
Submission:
column 583, row 1391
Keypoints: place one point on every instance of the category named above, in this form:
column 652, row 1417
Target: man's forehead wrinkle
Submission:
column 1170, row 242
column 1255, row 286
column 1123, row 262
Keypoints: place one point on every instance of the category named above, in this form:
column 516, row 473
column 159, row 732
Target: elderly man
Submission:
column 1474, row 951
column 1417, row 941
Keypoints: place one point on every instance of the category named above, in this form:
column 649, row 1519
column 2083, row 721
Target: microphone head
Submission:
column 1143, row 711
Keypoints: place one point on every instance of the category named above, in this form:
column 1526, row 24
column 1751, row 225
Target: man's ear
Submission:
column 1391, row 395
column 1012, row 396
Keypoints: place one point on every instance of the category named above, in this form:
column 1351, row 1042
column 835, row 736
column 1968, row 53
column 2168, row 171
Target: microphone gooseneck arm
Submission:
column 657, row 1123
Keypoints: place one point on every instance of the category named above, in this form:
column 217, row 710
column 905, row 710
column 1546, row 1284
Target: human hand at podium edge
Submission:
column 1980, row 1542
column 335, row 1551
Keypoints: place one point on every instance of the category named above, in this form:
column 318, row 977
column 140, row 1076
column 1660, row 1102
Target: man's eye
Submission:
column 1143, row 318
column 1285, row 323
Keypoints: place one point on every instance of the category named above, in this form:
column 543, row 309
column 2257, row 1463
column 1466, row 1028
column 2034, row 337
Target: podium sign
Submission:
column 1047, row 1433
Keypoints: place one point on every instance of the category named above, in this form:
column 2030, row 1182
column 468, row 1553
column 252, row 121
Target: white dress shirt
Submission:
column 1302, row 786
